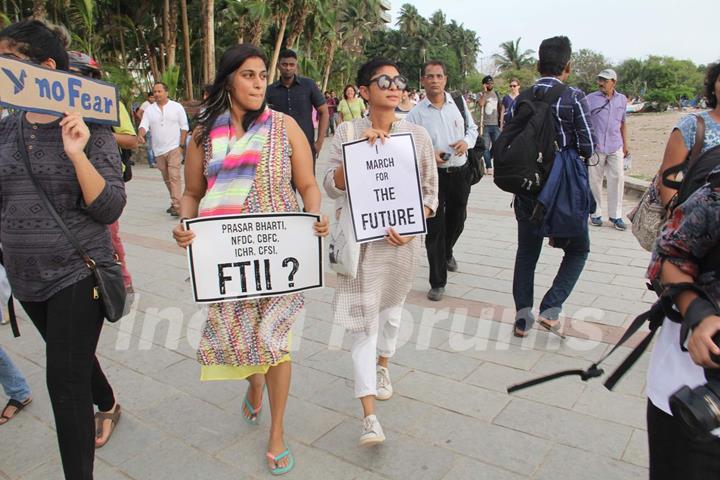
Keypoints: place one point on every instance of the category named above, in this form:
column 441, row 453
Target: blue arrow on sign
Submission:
column 19, row 83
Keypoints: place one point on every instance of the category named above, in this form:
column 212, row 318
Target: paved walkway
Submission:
column 450, row 418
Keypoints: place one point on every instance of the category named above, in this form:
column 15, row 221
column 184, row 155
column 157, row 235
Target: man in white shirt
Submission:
column 451, row 135
column 168, row 123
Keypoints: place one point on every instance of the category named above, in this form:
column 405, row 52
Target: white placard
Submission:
column 383, row 187
column 253, row 255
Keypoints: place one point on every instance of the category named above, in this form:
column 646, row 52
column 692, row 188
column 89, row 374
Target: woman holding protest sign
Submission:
column 370, row 304
column 79, row 169
column 245, row 158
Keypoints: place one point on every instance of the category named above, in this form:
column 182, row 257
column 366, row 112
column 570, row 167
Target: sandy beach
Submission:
column 648, row 133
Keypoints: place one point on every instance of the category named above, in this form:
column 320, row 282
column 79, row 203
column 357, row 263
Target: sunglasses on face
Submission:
column 514, row 86
column 385, row 81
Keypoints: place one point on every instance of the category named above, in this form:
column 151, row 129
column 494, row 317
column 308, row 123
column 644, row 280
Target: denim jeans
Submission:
column 530, row 245
column 13, row 382
column 150, row 154
column 490, row 134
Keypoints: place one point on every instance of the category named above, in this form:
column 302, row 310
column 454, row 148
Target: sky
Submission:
column 617, row 29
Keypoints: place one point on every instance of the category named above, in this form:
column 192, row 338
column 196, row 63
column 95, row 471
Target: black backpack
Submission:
column 524, row 152
column 475, row 152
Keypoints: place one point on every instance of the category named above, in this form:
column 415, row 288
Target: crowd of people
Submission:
column 252, row 149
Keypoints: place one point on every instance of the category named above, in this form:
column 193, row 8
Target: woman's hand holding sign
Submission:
column 373, row 134
column 321, row 227
column 75, row 134
column 183, row 237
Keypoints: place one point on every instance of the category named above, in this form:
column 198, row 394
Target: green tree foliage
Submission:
column 512, row 57
column 660, row 79
column 418, row 40
column 586, row 64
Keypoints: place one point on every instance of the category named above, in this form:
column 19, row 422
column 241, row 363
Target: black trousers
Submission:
column 674, row 455
column 70, row 323
column 445, row 227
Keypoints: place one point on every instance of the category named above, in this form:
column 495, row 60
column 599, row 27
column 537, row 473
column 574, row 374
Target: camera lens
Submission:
column 698, row 408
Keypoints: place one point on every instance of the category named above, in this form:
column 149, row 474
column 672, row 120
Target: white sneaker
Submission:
column 372, row 432
column 384, row 387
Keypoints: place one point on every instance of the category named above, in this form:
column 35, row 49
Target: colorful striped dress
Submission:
column 246, row 337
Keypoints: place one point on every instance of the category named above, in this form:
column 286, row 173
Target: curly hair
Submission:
column 713, row 72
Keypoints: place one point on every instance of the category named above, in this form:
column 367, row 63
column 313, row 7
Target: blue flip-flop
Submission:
column 281, row 470
column 254, row 418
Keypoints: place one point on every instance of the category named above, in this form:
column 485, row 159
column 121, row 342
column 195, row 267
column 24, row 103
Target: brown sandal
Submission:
column 5, row 418
column 552, row 326
column 100, row 418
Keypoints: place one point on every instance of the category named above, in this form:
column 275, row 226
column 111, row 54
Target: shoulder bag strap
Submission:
column 461, row 106
column 46, row 201
column 690, row 161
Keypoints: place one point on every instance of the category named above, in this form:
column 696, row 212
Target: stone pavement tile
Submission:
column 623, row 306
column 185, row 376
column 135, row 391
column 132, row 437
column 307, row 382
column 565, row 426
column 490, row 296
column 106, row 472
column 467, row 469
column 324, row 332
column 52, row 470
column 248, row 456
column 478, row 281
column 637, row 449
column 174, row 460
column 454, row 396
column 510, row 449
column 306, row 422
column 339, row 396
column 147, row 361
column 565, row 463
column 563, row 392
column 26, row 443
column 196, row 422
column 613, row 406
column 437, row 362
column 400, row 457
column 500, row 353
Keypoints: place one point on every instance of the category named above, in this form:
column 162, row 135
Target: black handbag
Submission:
column 110, row 286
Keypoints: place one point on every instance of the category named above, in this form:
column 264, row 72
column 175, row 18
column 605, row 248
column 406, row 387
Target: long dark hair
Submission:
column 217, row 101
column 38, row 41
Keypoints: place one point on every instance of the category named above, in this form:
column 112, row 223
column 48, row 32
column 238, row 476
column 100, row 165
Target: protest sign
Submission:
column 32, row 88
column 254, row 255
column 383, row 187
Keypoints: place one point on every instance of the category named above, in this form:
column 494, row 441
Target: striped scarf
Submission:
column 232, row 164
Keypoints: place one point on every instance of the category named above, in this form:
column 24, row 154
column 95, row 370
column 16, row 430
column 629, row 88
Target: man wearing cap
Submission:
column 607, row 115
column 490, row 119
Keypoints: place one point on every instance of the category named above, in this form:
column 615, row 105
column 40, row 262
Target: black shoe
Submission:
column 174, row 212
column 436, row 294
column 169, row 209
column 452, row 265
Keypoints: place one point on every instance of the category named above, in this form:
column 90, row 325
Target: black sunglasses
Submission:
column 384, row 82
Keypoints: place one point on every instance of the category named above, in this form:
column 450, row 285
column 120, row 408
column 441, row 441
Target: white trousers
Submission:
column 367, row 346
column 610, row 165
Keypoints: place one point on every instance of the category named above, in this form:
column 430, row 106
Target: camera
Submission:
column 445, row 156
column 699, row 408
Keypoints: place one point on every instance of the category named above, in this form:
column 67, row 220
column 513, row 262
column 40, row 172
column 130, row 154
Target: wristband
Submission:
column 698, row 310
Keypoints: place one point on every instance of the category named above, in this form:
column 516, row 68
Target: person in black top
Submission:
column 296, row 96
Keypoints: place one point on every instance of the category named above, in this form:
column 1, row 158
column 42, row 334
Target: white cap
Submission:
column 608, row 74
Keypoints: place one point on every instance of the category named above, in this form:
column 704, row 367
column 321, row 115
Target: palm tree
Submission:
column 512, row 58
column 186, row 49
column 410, row 21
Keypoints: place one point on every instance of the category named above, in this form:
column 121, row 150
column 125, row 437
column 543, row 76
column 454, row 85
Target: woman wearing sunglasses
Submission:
column 370, row 305
column 509, row 99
